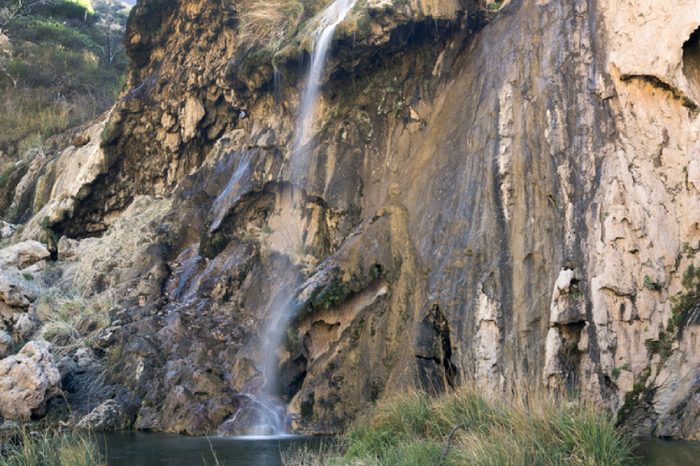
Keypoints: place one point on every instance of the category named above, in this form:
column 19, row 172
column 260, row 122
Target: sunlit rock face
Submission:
column 28, row 380
column 507, row 196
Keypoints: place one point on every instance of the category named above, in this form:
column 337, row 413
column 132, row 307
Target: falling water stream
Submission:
column 329, row 19
column 271, row 412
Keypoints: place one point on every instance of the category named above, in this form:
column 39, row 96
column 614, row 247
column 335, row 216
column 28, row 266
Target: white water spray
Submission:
column 271, row 418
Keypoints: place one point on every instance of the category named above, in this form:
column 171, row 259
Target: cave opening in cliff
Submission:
column 691, row 59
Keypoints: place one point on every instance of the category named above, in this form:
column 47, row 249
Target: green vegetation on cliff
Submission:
column 464, row 427
column 61, row 63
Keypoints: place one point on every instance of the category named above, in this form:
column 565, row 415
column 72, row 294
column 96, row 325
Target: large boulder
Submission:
column 15, row 290
column 27, row 381
column 109, row 415
column 24, row 254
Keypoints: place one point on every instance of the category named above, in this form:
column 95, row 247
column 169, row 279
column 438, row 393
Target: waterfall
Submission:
column 270, row 411
column 329, row 19
column 276, row 84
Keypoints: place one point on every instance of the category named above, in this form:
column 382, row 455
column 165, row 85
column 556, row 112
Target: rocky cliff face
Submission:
column 506, row 193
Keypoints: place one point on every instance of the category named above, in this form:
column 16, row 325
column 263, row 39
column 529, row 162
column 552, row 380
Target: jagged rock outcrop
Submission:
column 502, row 195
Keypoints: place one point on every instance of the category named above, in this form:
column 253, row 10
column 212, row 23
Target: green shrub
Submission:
column 650, row 284
column 40, row 30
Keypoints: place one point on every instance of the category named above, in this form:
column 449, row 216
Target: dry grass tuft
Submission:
column 269, row 23
column 63, row 314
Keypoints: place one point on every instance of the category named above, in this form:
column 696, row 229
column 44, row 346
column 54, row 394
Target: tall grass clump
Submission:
column 69, row 319
column 465, row 427
column 269, row 23
column 51, row 448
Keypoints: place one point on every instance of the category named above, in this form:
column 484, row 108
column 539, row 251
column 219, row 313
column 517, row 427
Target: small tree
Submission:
column 111, row 21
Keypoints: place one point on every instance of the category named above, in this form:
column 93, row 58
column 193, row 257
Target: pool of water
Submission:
column 656, row 452
column 147, row 449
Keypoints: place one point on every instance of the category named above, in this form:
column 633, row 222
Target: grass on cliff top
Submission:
column 51, row 448
column 269, row 23
column 525, row 429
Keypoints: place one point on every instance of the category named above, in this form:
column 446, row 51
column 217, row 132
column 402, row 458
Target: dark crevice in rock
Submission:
column 691, row 59
column 291, row 377
column 436, row 371
column 569, row 355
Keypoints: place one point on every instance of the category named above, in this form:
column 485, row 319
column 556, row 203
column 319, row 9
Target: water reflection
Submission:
column 656, row 452
column 144, row 449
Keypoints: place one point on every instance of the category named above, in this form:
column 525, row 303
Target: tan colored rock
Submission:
column 113, row 260
column 646, row 37
column 5, row 43
column 75, row 169
column 561, row 143
column 191, row 115
column 27, row 381
column 552, row 365
column 642, row 239
column 567, row 304
column 67, row 248
column 15, row 291
column 23, row 255
column 488, row 346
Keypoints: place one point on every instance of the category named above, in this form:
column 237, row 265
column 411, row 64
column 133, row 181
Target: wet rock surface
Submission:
column 506, row 195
